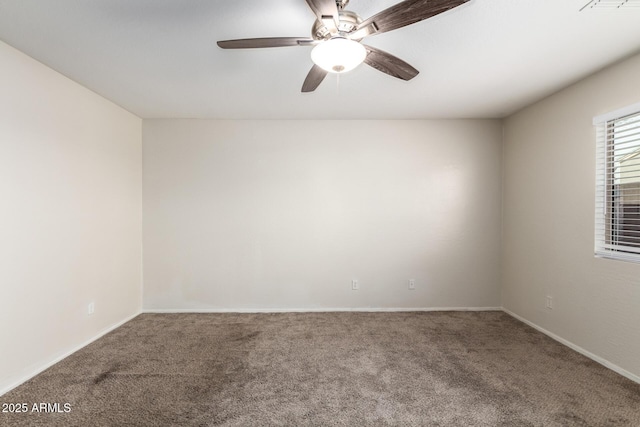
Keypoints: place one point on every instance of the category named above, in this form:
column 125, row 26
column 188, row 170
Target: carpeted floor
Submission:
column 342, row 369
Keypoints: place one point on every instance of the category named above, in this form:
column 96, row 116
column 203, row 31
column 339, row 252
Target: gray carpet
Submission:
column 329, row 369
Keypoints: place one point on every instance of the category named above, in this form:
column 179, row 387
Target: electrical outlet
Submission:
column 412, row 284
column 354, row 285
column 91, row 308
column 549, row 302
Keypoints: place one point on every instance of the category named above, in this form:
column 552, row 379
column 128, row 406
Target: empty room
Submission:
column 320, row 212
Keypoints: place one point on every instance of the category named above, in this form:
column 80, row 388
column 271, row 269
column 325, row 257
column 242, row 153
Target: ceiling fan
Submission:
column 337, row 34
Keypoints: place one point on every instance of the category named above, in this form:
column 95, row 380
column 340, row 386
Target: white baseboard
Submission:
column 47, row 365
column 315, row 310
column 577, row 348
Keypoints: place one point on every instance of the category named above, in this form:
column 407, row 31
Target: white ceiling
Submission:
column 158, row 58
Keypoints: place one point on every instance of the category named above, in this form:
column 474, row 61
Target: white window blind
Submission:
column 617, row 226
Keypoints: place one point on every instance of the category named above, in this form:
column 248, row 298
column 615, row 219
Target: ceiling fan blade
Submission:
column 314, row 78
column 408, row 12
column 265, row 42
column 324, row 9
column 389, row 64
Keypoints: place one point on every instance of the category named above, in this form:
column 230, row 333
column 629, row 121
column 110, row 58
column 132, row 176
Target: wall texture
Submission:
column 70, row 215
column 284, row 214
column 549, row 193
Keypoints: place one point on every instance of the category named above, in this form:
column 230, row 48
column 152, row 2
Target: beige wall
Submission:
column 548, row 244
column 283, row 214
column 70, row 215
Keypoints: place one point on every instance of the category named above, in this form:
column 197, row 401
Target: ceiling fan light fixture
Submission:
column 338, row 55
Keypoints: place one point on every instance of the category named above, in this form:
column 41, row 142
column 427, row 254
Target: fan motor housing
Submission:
column 349, row 21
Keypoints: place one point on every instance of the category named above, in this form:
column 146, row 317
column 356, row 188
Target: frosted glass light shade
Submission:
column 338, row 55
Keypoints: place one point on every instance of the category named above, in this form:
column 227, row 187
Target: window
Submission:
column 617, row 227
